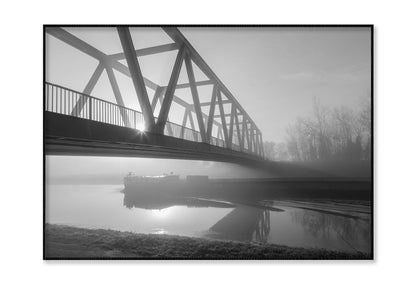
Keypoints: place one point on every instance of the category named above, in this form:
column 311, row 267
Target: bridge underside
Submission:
column 67, row 135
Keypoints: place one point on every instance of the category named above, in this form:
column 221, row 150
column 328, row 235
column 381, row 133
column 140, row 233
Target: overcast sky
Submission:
column 275, row 73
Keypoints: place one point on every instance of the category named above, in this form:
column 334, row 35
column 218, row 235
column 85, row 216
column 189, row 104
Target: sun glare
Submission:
column 161, row 214
column 140, row 127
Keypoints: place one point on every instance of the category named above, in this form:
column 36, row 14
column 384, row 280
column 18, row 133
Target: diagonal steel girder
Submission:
column 147, row 51
column 137, row 77
column 90, row 50
column 110, row 61
column 88, row 89
column 179, row 38
column 170, row 91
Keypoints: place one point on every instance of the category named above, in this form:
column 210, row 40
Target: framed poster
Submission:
column 208, row 142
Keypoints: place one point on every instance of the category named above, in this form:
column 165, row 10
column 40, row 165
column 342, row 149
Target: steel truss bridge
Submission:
column 77, row 123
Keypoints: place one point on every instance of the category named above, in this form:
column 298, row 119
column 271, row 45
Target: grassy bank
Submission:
column 65, row 242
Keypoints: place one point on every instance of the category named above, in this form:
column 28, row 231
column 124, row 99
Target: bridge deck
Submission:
column 67, row 135
column 78, row 124
column 235, row 131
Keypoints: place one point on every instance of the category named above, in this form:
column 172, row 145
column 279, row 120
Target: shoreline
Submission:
column 68, row 242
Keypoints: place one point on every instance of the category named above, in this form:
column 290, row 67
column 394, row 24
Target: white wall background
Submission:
column 21, row 142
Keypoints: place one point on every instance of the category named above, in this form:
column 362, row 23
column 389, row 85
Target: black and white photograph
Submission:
column 221, row 142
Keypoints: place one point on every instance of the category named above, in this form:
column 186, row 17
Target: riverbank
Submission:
column 66, row 242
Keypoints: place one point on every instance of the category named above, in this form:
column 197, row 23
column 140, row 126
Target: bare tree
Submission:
column 364, row 120
column 292, row 144
column 282, row 153
column 338, row 133
column 269, row 150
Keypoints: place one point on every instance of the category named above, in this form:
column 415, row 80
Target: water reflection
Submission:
column 98, row 206
column 208, row 216
column 243, row 224
column 256, row 221
column 355, row 233
column 148, row 200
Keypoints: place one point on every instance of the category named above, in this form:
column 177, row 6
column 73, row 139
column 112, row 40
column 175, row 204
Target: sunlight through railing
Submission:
column 66, row 101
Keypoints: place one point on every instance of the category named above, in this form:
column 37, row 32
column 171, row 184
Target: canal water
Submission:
column 324, row 224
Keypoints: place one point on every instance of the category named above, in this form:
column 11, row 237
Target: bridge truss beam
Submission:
column 241, row 131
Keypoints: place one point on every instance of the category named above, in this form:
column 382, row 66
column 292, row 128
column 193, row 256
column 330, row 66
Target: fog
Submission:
column 111, row 170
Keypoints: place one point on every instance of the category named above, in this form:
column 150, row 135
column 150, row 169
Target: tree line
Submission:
column 338, row 133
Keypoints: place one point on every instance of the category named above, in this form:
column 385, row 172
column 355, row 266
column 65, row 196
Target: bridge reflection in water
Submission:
column 337, row 228
column 243, row 223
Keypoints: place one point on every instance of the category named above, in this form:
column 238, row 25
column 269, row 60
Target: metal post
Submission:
column 90, row 107
column 195, row 98
column 117, row 94
column 88, row 89
column 136, row 76
column 223, row 122
column 211, row 111
column 170, row 90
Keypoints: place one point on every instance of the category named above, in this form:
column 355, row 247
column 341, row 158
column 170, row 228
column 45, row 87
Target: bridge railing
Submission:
column 62, row 100
column 180, row 132
column 217, row 142
column 66, row 101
